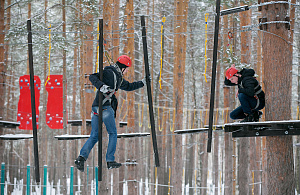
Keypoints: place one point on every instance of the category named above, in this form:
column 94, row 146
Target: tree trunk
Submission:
column 178, row 95
column 277, row 60
column 244, row 146
column 2, row 67
column 132, row 186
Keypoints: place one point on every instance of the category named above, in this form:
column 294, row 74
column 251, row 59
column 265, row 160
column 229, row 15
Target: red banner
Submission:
column 24, row 105
column 54, row 113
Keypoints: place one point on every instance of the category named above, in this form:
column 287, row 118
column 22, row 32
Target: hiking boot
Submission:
column 113, row 164
column 79, row 162
column 257, row 115
column 249, row 118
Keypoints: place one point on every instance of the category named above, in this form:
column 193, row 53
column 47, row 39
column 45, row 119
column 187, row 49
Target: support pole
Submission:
column 100, row 101
column 147, row 72
column 213, row 77
column 2, row 177
column 33, row 111
column 45, row 180
column 71, row 179
column 96, row 176
column 28, row 181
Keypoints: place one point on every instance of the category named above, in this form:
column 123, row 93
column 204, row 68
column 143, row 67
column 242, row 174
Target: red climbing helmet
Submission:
column 123, row 59
column 230, row 72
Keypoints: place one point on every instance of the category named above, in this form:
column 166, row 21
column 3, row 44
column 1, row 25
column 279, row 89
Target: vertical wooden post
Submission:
column 100, row 101
column 147, row 72
column 33, row 111
column 213, row 76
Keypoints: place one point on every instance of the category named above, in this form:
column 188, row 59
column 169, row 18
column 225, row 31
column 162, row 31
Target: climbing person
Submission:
column 112, row 81
column 250, row 94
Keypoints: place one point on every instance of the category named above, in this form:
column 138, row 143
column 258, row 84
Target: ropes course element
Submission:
column 201, row 114
column 205, row 56
column 122, row 108
column 216, row 121
column 160, row 127
column 141, row 120
column 252, row 182
column 162, row 51
column 149, row 125
column 48, row 77
column 97, row 62
column 230, row 36
column 173, row 125
column 169, row 182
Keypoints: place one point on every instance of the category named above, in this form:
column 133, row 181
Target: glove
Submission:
column 144, row 80
column 104, row 89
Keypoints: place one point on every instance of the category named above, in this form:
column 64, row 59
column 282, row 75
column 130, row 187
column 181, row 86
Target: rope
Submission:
column 205, row 56
column 173, row 125
column 216, row 121
column 155, row 180
column 160, row 127
column 141, row 121
column 253, row 182
column 48, row 77
column 149, row 125
column 169, row 182
column 161, row 46
column 195, row 180
column 97, row 62
column 121, row 110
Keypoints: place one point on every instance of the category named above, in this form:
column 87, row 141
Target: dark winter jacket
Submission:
column 108, row 79
column 247, row 84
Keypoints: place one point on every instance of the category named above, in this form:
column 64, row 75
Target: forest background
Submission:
column 180, row 56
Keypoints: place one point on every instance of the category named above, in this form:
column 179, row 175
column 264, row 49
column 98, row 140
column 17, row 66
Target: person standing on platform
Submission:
column 112, row 81
column 250, row 94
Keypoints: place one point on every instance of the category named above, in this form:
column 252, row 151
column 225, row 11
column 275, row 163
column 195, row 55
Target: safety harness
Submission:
column 257, row 90
column 109, row 94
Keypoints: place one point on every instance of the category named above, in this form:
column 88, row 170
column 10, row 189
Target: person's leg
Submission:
column 109, row 121
column 93, row 139
column 256, row 112
column 89, row 144
column 237, row 113
column 247, row 103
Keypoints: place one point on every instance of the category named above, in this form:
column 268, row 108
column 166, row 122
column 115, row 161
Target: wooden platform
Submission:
column 9, row 124
column 16, row 136
column 123, row 135
column 186, row 131
column 79, row 122
column 266, row 128
column 122, row 123
column 88, row 123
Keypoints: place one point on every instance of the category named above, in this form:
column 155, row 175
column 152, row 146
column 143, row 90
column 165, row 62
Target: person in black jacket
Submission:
column 112, row 81
column 250, row 94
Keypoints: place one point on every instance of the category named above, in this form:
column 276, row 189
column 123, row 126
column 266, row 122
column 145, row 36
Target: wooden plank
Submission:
column 184, row 131
column 9, row 124
column 122, row 135
column 79, row 122
column 122, row 123
column 16, row 136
